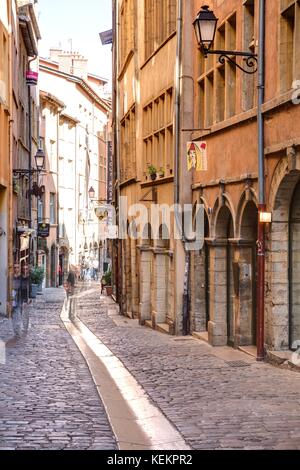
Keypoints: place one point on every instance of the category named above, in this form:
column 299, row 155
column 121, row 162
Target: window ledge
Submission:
column 279, row 100
column 159, row 48
column 157, row 182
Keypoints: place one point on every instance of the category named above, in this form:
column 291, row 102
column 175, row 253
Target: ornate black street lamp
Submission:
column 205, row 26
column 39, row 161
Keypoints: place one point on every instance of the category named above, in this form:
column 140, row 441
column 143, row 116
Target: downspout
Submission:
column 177, row 102
column 261, row 253
column 10, row 194
column 178, row 93
column 116, row 149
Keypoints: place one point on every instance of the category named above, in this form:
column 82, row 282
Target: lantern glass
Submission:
column 265, row 217
column 205, row 27
column 40, row 159
column 92, row 193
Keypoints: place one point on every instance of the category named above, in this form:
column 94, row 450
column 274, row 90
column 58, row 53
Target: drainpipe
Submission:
column 119, row 277
column 177, row 101
column 261, row 254
column 185, row 304
column 30, row 154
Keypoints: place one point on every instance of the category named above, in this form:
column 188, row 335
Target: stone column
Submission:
column 145, row 284
column 160, row 288
column 217, row 326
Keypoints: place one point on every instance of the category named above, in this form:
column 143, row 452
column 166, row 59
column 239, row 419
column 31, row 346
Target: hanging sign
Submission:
column 197, row 156
column 31, row 77
column 43, row 230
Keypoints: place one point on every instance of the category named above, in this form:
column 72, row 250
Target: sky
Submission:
column 61, row 21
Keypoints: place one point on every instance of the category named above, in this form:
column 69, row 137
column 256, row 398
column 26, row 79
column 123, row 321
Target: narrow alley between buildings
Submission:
column 196, row 396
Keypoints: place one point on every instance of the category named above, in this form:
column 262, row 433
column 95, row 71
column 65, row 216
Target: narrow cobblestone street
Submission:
column 48, row 399
column 216, row 398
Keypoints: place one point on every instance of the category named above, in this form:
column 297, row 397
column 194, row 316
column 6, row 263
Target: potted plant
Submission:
column 152, row 172
column 106, row 282
column 161, row 172
column 36, row 277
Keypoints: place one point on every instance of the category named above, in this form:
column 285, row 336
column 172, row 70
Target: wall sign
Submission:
column 197, row 156
column 43, row 230
column 32, row 77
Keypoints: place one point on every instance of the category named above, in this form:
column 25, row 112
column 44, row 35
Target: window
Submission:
column 249, row 44
column 160, row 23
column 4, row 68
column 217, row 82
column 128, row 146
column 40, row 204
column 158, row 134
column 289, row 37
column 126, row 29
column 52, row 209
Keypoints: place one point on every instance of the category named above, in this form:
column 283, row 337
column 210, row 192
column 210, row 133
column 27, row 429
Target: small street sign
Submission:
column 43, row 230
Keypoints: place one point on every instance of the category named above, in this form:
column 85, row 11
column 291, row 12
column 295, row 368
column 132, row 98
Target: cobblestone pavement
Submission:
column 215, row 403
column 47, row 397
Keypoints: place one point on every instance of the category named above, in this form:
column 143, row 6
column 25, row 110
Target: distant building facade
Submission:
column 74, row 124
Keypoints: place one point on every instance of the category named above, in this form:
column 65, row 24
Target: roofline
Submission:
column 73, row 78
column 52, row 98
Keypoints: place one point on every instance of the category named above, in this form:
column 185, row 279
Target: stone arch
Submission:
column 224, row 201
column 224, row 223
column 164, row 237
column 247, row 275
column 249, row 195
column 278, row 283
column 147, row 235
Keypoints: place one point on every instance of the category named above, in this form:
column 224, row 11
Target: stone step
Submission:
column 203, row 335
column 163, row 328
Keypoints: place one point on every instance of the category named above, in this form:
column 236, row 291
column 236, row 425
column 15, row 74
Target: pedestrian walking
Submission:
column 71, row 282
column 17, row 301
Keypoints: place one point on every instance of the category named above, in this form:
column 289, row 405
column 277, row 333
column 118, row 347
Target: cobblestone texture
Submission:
column 211, row 401
column 47, row 397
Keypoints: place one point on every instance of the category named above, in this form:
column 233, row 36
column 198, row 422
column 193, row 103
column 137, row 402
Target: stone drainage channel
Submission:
column 135, row 421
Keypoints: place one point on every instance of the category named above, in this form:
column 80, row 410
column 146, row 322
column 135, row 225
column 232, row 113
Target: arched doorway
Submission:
column 248, row 276
column 282, row 269
column 221, row 327
column 294, row 270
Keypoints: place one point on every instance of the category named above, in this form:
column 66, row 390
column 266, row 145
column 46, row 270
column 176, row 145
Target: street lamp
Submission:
column 40, row 160
column 205, row 26
column 92, row 193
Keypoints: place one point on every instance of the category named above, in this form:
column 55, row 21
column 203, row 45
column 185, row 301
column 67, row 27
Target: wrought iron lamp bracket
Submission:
column 249, row 58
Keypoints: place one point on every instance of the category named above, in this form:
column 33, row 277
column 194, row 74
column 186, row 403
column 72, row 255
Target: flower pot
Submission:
column 109, row 290
column 34, row 291
column 153, row 176
column 40, row 289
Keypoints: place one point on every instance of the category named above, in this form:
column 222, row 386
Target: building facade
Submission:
column 74, row 123
column 149, row 82
column 5, row 155
column 158, row 111
column 225, row 272
column 25, row 131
